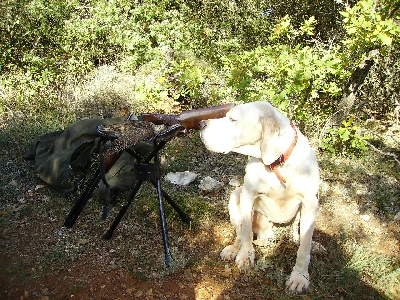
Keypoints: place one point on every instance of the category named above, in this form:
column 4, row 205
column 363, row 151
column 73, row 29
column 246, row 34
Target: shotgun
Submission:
column 190, row 119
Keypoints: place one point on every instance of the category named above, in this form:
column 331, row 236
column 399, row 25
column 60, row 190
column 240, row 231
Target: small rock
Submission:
column 130, row 291
column 209, row 184
column 234, row 182
column 366, row 218
column 83, row 241
column 39, row 186
column 188, row 275
column 324, row 187
column 181, row 178
column 227, row 272
column 138, row 294
column 261, row 243
column 113, row 265
column 317, row 248
column 397, row 216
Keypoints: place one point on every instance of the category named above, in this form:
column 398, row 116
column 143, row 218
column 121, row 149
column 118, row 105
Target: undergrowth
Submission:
column 63, row 61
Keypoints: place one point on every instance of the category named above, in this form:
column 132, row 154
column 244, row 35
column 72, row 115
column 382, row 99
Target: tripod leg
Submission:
column 182, row 214
column 123, row 210
column 84, row 197
column 163, row 225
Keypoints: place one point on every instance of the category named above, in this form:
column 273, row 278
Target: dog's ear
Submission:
column 270, row 139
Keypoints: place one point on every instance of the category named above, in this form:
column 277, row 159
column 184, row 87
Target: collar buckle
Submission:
column 278, row 162
column 283, row 157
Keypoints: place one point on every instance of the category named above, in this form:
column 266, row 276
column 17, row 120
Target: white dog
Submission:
column 281, row 181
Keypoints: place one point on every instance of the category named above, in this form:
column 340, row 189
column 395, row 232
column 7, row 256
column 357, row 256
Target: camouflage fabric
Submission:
column 60, row 156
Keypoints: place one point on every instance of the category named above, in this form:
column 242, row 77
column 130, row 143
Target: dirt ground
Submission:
column 355, row 255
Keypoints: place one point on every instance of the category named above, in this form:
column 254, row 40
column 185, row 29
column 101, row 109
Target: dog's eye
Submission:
column 232, row 119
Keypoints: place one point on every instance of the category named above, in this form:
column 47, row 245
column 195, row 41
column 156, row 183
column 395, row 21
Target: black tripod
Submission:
column 145, row 171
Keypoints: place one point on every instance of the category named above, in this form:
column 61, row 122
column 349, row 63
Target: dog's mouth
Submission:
column 216, row 150
column 214, row 140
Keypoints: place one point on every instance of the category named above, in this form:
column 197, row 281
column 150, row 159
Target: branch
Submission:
column 394, row 156
column 394, row 10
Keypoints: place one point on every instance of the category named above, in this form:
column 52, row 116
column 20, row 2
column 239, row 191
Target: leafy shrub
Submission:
column 345, row 140
column 292, row 77
column 367, row 27
column 296, row 54
column 31, row 34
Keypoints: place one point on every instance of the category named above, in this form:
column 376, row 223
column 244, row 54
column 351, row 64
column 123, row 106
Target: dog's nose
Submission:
column 203, row 124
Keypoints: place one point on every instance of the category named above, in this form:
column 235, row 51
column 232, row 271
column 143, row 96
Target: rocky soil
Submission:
column 356, row 250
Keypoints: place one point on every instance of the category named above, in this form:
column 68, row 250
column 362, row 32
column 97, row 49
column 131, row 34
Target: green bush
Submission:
column 345, row 140
column 31, row 34
column 298, row 55
column 292, row 77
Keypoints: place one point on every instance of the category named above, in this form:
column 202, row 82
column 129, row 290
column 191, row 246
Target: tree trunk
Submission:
column 350, row 91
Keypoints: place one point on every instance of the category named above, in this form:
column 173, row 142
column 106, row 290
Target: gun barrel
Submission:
column 190, row 119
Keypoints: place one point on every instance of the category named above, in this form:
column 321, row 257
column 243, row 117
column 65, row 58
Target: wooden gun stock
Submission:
column 190, row 119
column 110, row 160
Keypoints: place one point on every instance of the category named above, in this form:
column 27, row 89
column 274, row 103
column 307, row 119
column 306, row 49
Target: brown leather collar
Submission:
column 283, row 157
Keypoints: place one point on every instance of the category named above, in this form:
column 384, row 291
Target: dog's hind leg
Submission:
column 230, row 252
column 263, row 228
column 295, row 228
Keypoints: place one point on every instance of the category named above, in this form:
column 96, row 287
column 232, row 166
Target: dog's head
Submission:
column 253, row 129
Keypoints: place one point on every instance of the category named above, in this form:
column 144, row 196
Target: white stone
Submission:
column 209, row 184
column 365, row 217
column 318, row 248
column 234, row 182
column 181, row 178
column 39, row 186
column 397, row 216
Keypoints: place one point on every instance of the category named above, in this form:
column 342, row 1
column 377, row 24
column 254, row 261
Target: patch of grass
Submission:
column 386, row 270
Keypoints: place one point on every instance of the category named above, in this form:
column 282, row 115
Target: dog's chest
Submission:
column 278, row 202
column 257, row 174
column 260, row 179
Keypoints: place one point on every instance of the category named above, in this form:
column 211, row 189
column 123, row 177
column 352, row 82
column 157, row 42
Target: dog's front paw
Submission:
column 245, row 259
column 229, row 252
column 298, row 281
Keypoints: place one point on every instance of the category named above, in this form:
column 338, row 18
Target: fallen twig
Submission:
column 394, row 156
